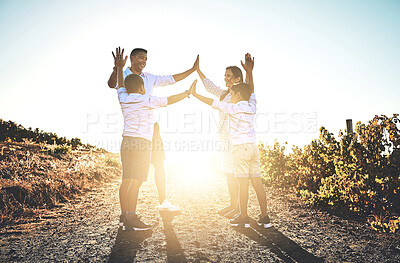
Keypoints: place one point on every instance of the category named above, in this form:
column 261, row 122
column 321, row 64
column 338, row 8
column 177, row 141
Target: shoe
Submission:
column 166, row 206
column 264, row 222
column 134, row 223
column 240, row 221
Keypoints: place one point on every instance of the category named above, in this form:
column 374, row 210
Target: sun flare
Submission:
column 193, row 169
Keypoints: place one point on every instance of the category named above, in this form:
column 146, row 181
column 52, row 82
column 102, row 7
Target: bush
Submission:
column 360, row 172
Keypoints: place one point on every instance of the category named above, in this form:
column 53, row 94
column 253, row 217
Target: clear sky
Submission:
column 317, row 63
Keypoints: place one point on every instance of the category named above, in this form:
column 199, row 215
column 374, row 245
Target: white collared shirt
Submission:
column 137, row 110
column 150, row 80
column 241, row 121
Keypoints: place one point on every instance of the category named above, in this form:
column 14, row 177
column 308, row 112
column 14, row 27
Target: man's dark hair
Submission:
column 137, row 50
column 244, row 90
column 133, row 82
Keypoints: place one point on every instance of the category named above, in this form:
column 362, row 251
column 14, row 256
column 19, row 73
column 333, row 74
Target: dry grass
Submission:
column 31, row 177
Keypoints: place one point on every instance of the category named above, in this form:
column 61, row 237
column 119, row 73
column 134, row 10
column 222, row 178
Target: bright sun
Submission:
column 193, row 168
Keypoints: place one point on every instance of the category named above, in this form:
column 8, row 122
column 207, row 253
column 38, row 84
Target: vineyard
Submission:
column 359, row 173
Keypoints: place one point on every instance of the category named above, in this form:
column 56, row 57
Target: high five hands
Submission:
column 119, row 60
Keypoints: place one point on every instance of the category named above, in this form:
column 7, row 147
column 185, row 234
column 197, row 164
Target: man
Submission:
column 138, row 59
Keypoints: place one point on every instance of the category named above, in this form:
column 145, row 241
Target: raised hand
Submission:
column 249, row 63
column 196, row 64
column 119, row 60
column 192, row 89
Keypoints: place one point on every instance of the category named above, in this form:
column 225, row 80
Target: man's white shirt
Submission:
column 241, row 121
column 151, row 81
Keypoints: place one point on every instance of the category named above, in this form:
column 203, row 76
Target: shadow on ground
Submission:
column 127, row 244
column 174, row 249
column 282, row 246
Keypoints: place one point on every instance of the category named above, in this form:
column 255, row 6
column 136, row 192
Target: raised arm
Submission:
column 208, row 84
column 198, row 96
column 119, row 64
column 112, row 81
column 248, row 67
column 181, row 76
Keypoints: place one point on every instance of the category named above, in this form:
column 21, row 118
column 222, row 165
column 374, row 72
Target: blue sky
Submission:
column 317, row 63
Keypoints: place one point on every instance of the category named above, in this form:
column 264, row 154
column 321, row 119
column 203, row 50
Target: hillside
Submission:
column 35, row 176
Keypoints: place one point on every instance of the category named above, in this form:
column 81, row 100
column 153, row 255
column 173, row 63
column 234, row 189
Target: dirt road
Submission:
column 86, row 230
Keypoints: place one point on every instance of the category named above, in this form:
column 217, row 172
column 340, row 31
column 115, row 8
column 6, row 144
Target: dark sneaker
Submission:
column 134, row 223
column 240, row 221
column 265, row 222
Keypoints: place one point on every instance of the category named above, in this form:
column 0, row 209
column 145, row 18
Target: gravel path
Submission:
column 86, row 230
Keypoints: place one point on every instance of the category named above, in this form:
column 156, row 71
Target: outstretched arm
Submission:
column 181, row 76
column 112, row 81
column 198, row 96
column 248, row 67
column 178, row 97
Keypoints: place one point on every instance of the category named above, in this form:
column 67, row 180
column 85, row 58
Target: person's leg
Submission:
column 258, row 187
column 140, row 169
column 157, row 159
column 159, row 177
column 243, row 196
column 233, row 188
column 233, row 193
column 261, row 196
column 228, row 169
column 241, row 158
column 133, row 193
column 123, row 194
column 127, row 157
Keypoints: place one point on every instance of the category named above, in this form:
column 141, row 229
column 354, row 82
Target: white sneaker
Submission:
column 166, row 206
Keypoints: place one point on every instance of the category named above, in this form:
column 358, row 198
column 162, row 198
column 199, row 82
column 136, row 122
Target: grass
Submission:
column 34, row 176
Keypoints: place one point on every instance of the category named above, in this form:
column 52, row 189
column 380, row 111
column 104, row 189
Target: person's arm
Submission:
column 112, row 81
column 248, row 67
column 119, row 64
column 201, row 75
column 181, row 76
column 208, row 84
column 178, row 97
column 198, row 96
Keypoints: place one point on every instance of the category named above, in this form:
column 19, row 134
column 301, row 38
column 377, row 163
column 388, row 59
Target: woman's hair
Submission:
column 237, row 73
column 133, row 82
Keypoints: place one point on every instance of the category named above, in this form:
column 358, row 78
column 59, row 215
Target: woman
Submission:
column 233, row 75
